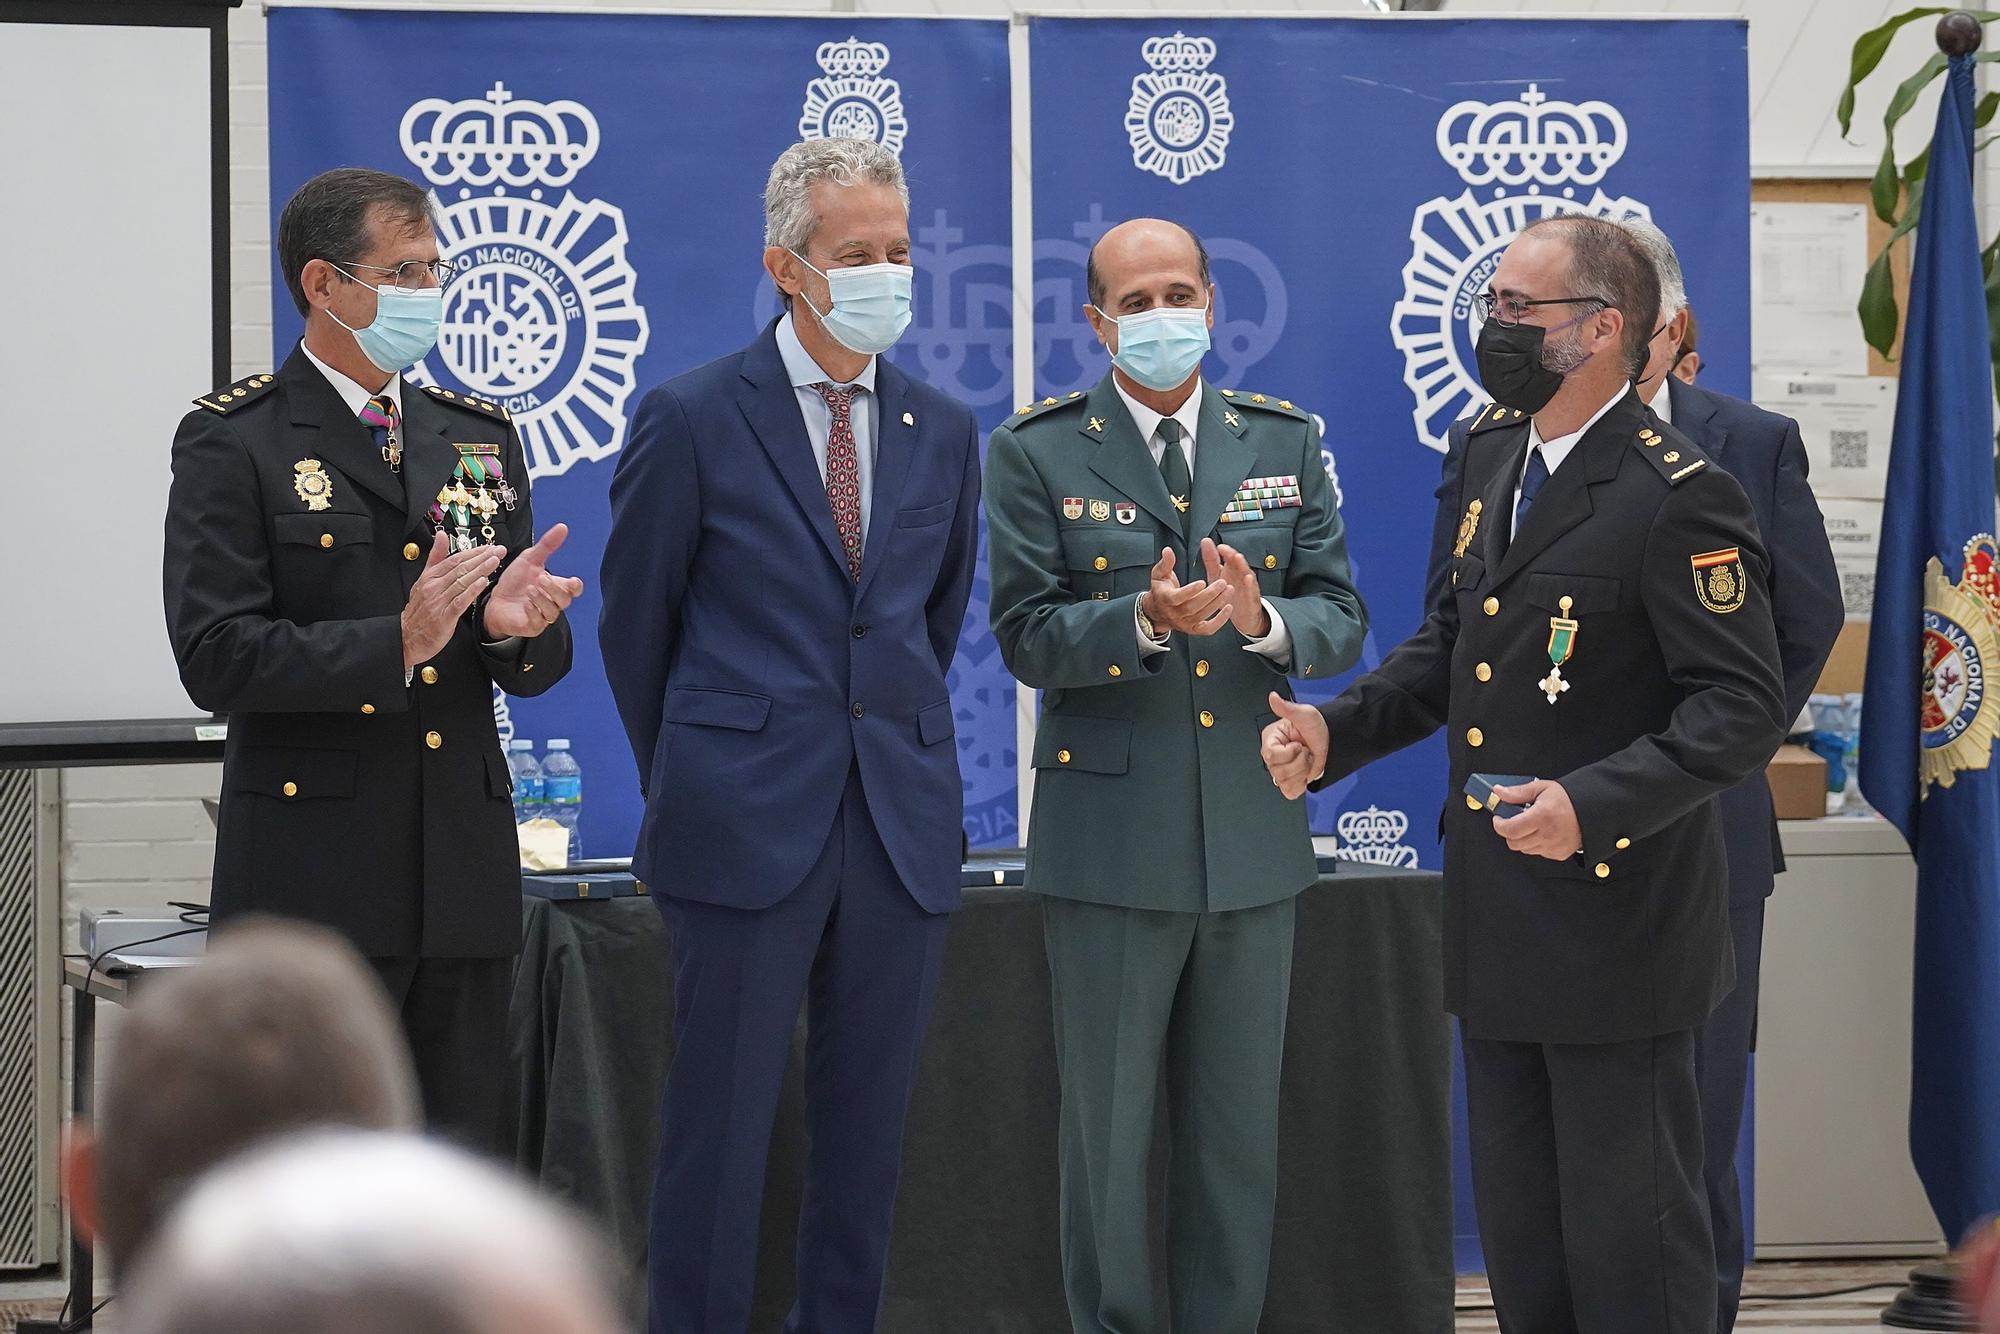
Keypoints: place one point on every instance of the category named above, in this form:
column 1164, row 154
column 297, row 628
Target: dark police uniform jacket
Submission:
column 349, row 799
column 1674, row 695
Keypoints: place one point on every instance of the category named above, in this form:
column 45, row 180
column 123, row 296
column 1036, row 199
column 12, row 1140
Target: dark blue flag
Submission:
column 1931, row 715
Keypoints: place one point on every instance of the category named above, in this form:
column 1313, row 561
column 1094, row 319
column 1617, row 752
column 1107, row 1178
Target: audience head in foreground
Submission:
column 280, row 1028
column 345, row 1232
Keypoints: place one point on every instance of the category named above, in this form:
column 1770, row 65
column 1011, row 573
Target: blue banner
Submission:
column 1355, row 181
column 600, row 180
column 1930, row 717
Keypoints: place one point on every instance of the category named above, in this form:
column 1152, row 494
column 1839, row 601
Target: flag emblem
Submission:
column 1956, row 713
column 1718, row 580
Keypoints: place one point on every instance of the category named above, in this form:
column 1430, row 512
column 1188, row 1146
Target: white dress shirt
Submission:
column 351, row 392
column 806, row 373
column 1556, row 450
column 1276, row 643
column 1663, row 402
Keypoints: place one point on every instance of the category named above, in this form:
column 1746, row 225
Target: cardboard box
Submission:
column 1798, row 783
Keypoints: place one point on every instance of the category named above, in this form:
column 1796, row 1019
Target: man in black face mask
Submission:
column 1605, row 657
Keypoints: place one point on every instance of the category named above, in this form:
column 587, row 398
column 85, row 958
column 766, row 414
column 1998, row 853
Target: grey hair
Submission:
column 1673, row 288
column 789, row 220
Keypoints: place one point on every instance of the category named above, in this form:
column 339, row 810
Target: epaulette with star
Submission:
column 1283, row 406
column 471, row 402
column 1492, row 417
column 1030, row 410
column 1676, row 458
column 226, row 400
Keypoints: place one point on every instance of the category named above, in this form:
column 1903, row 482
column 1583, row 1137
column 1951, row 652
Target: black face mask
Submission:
column 1511, row 369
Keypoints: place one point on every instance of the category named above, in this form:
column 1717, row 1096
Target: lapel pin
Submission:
column 909, row 419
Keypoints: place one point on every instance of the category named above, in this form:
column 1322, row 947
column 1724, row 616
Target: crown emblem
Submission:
column 1533, row 139
column 498, row 140
column 1179, row 53
column 852, row 58
column 1374, row 836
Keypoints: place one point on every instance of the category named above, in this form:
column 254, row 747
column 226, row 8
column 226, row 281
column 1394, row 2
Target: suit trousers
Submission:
column 1722, row 1049
column 1205, row 995
column 454, row 1014
column 857, row 950
column 1587, row 1177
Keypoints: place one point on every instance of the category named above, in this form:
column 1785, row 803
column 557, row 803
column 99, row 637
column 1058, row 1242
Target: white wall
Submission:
column 122, row 825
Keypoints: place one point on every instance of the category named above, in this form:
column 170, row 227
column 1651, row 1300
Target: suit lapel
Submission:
column 1694, row 417
column 1496, row 502
column 1564, row 501
column 338, row 437
column 771, row 406
column 1222, row 461
column 895, row 448
column 428, row 456
column 1122, row 458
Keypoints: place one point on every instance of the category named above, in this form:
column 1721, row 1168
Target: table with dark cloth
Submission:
column 1363, row 1240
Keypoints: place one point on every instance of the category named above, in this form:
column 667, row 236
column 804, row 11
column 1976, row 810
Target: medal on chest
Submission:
column 471, row 496
column 1562, row 643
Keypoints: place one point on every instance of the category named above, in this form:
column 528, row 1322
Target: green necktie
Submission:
column 1174, row 468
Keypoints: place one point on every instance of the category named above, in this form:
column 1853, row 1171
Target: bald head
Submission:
column 1145, row 263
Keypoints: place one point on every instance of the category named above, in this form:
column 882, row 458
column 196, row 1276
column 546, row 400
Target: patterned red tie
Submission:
column 843, row 474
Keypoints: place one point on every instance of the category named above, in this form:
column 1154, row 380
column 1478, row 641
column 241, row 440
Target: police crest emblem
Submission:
column 1178, row 119
column 852, row 100
column 311, row 484
column 1957, row 718
column 1718, row 580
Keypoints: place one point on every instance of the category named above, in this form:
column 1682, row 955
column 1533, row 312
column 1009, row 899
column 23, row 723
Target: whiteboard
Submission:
column 105, row 164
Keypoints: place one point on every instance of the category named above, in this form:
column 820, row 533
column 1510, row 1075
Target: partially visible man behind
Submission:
column 793, row 530
column 280, row 1028
column 350, row 1233
column 350, row 569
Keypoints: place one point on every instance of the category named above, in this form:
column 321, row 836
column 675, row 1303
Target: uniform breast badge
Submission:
column 313, row 486
column 1562, row 643
column 1468, row 527
column 1127, row 513
column 1718, row 580
column 1072, row 508
column 1100, row 510
column 461, row 507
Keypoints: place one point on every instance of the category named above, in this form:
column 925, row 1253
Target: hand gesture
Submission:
column 449, row 584
column 1199, row 608
column 1548, row 828
column 1246, row 596
column 528, row 599
column 1294, row 747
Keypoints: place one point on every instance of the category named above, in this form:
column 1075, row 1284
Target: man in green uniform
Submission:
column 1168, row 861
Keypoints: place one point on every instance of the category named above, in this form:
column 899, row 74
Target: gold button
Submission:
column 1062, row 757
column 430, row 676
column 1101, row 563
column 1624, row 843
column 409, row 551
column 1114, row 670
column 1474, row 737
column 1201, row 668
column 1492, row 607
column 326, row 539
column 1207, row 718
column 1472, row 803
column 1484, row 671
column 1270, row 562
column 368, row 708
column 433, row 740
column 1603, row 871
column 291, row 789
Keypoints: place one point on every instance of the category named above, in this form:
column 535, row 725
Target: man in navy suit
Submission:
column 792, row 543
column 1763, row 452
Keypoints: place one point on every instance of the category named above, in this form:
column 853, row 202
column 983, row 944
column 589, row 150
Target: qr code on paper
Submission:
column 1857, row 591
column 1850, row 449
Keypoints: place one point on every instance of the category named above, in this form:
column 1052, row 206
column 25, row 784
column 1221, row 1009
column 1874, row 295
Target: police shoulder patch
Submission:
column 471, row 402
column 1671, row 453
column 1718, row 580
column 1492, row 417
column 231, row 397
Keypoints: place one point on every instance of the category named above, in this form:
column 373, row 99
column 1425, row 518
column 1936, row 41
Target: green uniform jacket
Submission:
column 1149, row 788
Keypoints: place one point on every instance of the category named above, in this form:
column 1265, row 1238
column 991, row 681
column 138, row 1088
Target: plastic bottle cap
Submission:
column 558, row 744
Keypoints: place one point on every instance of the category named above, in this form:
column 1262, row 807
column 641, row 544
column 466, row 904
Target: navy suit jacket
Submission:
column 1763, row 452
column 751, row 673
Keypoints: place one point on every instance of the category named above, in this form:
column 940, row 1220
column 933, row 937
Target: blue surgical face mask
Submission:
column 1160, row 348
column 870, row 305
column 405, row 327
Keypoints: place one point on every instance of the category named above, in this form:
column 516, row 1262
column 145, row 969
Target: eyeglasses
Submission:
column 1512, row 309
column 413, row 275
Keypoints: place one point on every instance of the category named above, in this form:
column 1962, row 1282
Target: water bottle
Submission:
column 562, row 789
column 528, row 781
column 1855, row 803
